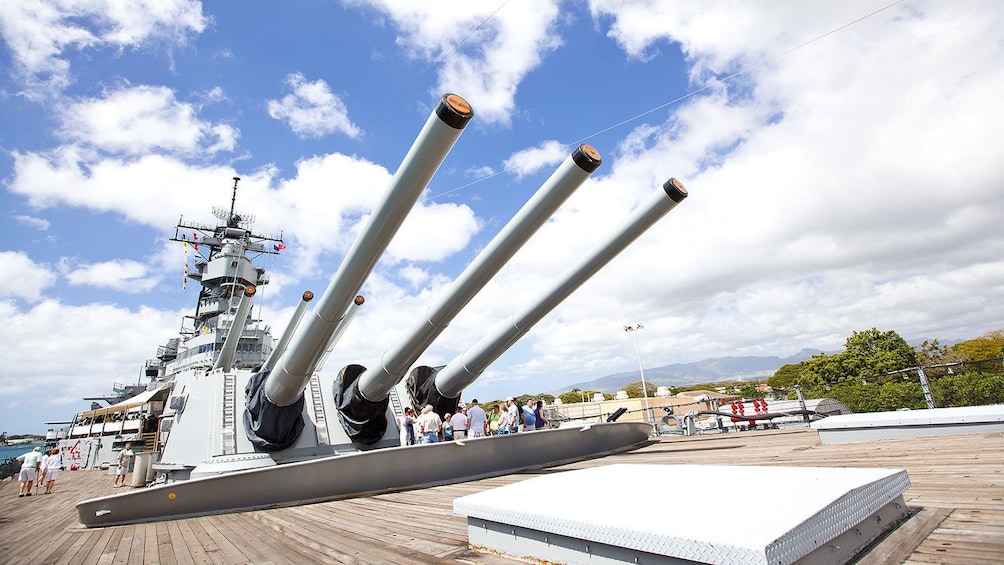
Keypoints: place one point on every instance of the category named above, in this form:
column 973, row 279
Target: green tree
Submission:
column 572, row 396
column 787, row 376
column 868, row 356
column 633, row 390
column 970, row 388
column 933, row 353
column 871, row 354
column 894, row 395
column 987, row 346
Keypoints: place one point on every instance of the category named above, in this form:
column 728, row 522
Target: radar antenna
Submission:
column 231, row 221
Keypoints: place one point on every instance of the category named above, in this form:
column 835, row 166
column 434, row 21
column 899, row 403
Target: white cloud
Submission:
column 483, row 51
column 106, row 341
column 820, row 200
column 138, row 120
column 312, row 110
column 123, row 275
column 432, row 232
column 414, row 275
column 25, row 278
column 38, row 32
column 37, row 223
column 326, row 201
column 528, row 161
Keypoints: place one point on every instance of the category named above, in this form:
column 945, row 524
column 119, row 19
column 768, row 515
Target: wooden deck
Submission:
column 958, row 490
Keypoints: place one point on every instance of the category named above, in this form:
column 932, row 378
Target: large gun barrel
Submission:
column 275, row 399
column 441, row 131
column 287, row 333
column 226, row 358
column 464, row 369
column 375, row 383
column 342, row 326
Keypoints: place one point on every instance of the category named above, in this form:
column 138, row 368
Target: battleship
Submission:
column 235, row 420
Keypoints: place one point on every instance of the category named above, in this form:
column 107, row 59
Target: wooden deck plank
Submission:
column 199, row 552
column 227, row 551
column 958, row 482
column 151, row 549
column 167, row 551
column 105, row 549
column 901, row 543
column 257, row 545
column 81, row 553
column 291, row 532
column 125, row 544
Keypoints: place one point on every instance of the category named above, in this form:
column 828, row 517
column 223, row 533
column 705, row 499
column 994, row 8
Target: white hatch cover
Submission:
column 703, row 513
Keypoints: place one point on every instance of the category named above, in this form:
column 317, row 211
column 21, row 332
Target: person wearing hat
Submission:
column 430, row 424
column 512, row 416
column 29, row 467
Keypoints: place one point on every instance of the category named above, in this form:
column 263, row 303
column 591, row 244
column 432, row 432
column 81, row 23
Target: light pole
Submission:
column 641, row 370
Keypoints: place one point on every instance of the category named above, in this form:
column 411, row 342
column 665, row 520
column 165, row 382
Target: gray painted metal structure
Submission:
column 361, row 473
column 226, row 359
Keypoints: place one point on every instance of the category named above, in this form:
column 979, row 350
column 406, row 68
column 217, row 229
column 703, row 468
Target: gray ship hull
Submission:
column 363, row 473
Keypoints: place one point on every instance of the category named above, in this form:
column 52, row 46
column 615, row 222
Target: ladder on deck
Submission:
column 229, row 413
column 320, row 423
column 149, row 441
column 395, row 403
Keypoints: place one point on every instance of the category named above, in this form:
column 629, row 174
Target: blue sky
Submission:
column 835, row 185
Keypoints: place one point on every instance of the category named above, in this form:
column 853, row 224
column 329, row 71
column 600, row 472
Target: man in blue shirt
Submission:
column 528, row 419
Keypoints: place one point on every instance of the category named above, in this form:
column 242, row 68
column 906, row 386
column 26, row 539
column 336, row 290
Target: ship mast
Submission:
column 233, row 201
column 224, row 255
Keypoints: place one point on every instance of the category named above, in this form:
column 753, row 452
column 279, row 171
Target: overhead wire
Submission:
column 712, row 83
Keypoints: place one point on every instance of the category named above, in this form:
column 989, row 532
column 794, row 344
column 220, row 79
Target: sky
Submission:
column 843, row 162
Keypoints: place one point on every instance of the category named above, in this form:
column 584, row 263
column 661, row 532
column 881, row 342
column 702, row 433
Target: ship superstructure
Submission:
column 223, row 257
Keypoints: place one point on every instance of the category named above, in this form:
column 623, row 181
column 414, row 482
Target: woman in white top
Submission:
column 41, row 468
column 52, row 466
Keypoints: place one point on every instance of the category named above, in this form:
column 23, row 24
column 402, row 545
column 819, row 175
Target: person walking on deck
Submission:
column 29, row 468
column 52, row 468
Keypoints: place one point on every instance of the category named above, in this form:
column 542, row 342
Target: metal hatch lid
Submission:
column 675, row 516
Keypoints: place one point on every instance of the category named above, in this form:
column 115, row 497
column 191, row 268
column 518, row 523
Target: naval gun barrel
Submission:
column 226, row 358
column 285, row 385
column 275, row 401
column 342, row 326
column 287, row 333
column 464, row 369
column 375, row 383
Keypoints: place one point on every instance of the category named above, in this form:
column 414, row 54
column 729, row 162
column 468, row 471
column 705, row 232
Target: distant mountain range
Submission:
column 715, row 369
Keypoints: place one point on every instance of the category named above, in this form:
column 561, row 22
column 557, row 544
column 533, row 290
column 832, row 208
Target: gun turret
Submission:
column 464, row 369
column 363, row 392
column 226, row 359
column 273, row 418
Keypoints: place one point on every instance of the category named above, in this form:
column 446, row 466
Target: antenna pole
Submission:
column 233, row 199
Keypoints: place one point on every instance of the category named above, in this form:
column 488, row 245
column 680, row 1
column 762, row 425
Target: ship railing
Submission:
column 9, row 468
